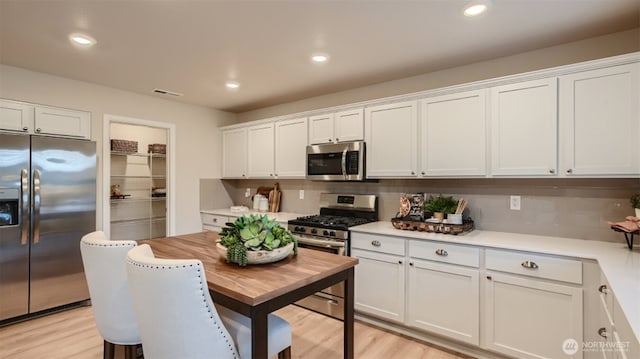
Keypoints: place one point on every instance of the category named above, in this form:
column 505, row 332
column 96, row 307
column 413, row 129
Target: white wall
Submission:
column 198, row 141
column 573, row 52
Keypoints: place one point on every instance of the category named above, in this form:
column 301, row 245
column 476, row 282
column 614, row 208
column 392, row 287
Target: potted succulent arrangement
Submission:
column 255, row 239
column 441, row 205
column 635, row 203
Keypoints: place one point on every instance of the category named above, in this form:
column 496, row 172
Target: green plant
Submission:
column 254, row 233
column 440, row 203
column 635, row 201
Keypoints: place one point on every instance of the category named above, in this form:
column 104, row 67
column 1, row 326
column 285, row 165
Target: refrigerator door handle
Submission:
column 24, row 182
column 36, row 206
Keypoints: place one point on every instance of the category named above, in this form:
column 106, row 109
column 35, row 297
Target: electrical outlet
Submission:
column 301, row 194
column 514, row 203
column 247, row 193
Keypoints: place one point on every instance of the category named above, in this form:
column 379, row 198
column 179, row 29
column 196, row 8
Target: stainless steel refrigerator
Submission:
column 47, row 203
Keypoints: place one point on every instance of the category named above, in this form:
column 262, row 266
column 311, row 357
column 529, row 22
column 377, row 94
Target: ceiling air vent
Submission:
column 167, row 92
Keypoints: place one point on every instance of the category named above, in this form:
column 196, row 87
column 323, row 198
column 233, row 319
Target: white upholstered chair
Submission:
column 105, row 269
column 177, row 316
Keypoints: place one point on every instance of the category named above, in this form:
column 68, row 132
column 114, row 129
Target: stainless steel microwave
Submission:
column 336, row 161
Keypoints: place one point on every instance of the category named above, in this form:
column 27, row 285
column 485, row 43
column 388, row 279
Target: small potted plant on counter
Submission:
column 635, row 203
column 441, row 205
column 255, row 239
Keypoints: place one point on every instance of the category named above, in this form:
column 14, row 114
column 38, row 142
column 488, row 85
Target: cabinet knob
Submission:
column 423, row 173
column 411, row 264
column 330, row 140
column 412, row 173
column 489, row 277
column 215, row 220
column 399, row 262
column 337, row 139
column 529, row 265
column 552, row 171
column 271, row 174
column 375, row 243
column 275, row 175
column 243, row 175
column 603, row 332
column 570, row 170
column 38, row 130
column 25, row 128
column 603, row 289
column 441, row 252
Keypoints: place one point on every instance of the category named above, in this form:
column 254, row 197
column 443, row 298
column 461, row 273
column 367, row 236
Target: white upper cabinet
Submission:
column 34, row 119
column 524, row 125
column 260, row 151
column 349, row 125
column 16, row 116
column 234, row 153
column 290, row 148
column 56, row 121
column 453, row 135
column 321, row 129
column 336, row 127
column 392, row 140
column 600, row 121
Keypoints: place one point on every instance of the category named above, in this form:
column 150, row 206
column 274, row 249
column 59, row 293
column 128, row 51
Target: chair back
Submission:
column 105, row 270
column 175, row 312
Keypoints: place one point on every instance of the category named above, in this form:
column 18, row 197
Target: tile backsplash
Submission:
column 574, row 208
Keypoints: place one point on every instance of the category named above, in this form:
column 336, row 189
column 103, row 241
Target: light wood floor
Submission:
column 73, row 334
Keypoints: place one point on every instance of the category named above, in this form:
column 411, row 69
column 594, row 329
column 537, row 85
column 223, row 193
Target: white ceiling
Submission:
column 193, row 47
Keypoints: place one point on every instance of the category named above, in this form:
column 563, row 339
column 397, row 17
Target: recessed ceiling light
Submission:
column 82, row 39
column 475, row 9
column 232, row 85
column 320, row 58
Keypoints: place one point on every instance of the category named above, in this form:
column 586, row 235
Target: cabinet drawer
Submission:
column 376, row 243
column 213, row 219
column 535, row 265
column 444, row 252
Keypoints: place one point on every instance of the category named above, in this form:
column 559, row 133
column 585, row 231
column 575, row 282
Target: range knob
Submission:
column 325, row 233
column 314, row 231
column 332, row 234
column 299, row 229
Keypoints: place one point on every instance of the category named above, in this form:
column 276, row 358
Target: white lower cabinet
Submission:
column 379, row 275
column 214, row 222
column 379, row 285
column 443, row 299
column 526, row 314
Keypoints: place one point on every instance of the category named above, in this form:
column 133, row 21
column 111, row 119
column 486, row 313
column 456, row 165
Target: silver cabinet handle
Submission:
column 36, row 206
column 603, row 289
column 603, row 332
column 375, row 243
column 529, row 265
column 344, row 163
column 25, row 129
column 569, row 170
column 24, row 184
column 38, row 130
column 441, row 252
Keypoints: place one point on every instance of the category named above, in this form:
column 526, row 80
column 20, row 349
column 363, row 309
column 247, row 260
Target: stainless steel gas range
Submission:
column 329, row 232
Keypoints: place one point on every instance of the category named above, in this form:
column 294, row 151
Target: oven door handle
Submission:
column 320, row 242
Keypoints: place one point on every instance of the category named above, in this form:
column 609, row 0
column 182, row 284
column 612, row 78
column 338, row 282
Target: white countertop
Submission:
column 620, row 266
column 281, row 217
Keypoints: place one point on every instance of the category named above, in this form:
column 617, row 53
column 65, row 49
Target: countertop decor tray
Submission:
column 446, row 228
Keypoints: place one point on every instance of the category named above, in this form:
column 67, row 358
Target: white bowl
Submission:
column 261, row 257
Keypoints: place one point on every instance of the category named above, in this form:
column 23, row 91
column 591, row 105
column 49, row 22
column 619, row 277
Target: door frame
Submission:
column 106, row 167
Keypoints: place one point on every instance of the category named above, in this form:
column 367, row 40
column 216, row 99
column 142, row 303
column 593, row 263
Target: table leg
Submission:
column 259, row 333
column 348, row 314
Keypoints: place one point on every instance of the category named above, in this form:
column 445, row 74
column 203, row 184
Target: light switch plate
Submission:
column 247, row 192
column 301, row 195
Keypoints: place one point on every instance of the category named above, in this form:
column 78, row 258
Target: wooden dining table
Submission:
column 257, row 290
